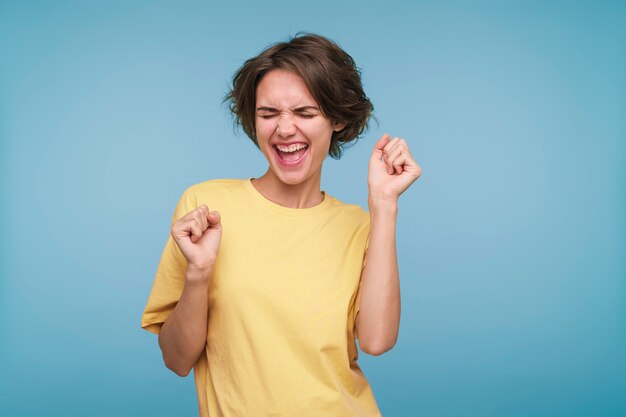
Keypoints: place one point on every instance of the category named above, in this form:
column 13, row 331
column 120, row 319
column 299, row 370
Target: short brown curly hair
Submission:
column 330, row 74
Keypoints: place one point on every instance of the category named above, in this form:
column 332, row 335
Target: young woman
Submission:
column 265, row 283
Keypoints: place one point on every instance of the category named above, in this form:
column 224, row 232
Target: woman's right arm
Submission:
column 182, row 337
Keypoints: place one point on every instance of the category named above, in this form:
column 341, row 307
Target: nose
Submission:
column 285, row 125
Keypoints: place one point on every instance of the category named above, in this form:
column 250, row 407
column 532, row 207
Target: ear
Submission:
column 339, row 126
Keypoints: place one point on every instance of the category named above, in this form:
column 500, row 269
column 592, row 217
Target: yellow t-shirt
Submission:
column 282, row 304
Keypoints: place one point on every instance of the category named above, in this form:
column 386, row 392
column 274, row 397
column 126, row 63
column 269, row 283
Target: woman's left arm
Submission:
column 391, row 171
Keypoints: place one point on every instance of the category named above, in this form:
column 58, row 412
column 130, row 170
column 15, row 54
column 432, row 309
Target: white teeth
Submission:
column 291, row 148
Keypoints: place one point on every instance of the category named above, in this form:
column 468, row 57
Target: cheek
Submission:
column 263, row 130
column 321, row 131
column 324, row 135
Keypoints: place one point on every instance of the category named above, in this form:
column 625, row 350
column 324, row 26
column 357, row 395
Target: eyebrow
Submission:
column 299, row 109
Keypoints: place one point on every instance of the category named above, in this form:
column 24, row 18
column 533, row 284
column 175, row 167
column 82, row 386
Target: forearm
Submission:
column 183, row 335
column 379, row 311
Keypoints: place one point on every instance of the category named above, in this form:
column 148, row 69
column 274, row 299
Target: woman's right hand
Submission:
column 198, row 235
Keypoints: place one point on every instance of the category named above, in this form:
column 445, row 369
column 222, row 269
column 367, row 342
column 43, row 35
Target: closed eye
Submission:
column 304, row 116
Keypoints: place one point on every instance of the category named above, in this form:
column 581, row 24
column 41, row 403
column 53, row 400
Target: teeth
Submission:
column 291, row 148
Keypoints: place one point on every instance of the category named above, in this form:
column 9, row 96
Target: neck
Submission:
column 303, row 195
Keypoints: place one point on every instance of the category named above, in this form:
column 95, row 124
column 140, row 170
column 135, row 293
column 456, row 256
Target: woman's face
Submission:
column 291, row 131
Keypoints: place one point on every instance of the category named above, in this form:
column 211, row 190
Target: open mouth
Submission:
column 292, row 154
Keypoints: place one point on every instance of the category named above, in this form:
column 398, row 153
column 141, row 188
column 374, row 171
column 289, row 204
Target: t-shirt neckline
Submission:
column 277, row 208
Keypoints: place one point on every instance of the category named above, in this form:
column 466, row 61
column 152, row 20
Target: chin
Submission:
column 291, row 178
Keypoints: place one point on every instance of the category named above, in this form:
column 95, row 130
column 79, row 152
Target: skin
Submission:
column 391, row 171
column 286, row 113
column 182, row 337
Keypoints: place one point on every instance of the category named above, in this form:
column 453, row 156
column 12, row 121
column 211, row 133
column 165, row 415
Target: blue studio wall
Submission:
column 511, row 245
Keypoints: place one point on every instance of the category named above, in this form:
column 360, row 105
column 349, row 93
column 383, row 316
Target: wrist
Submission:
column 382, row 202
column 197, row 273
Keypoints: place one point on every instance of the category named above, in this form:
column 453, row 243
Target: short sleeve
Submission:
column 357, row 300
column 170, row 276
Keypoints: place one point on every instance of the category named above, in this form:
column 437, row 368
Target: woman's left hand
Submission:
column 392, row 169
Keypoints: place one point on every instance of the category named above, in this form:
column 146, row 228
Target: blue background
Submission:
column 511, row 244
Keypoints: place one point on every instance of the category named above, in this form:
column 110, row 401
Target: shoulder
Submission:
column 215, row 193
column 214, row 187
column 351, row 213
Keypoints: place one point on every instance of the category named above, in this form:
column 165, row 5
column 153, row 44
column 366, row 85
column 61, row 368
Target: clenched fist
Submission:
column 392, row 168
column 198, row 235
